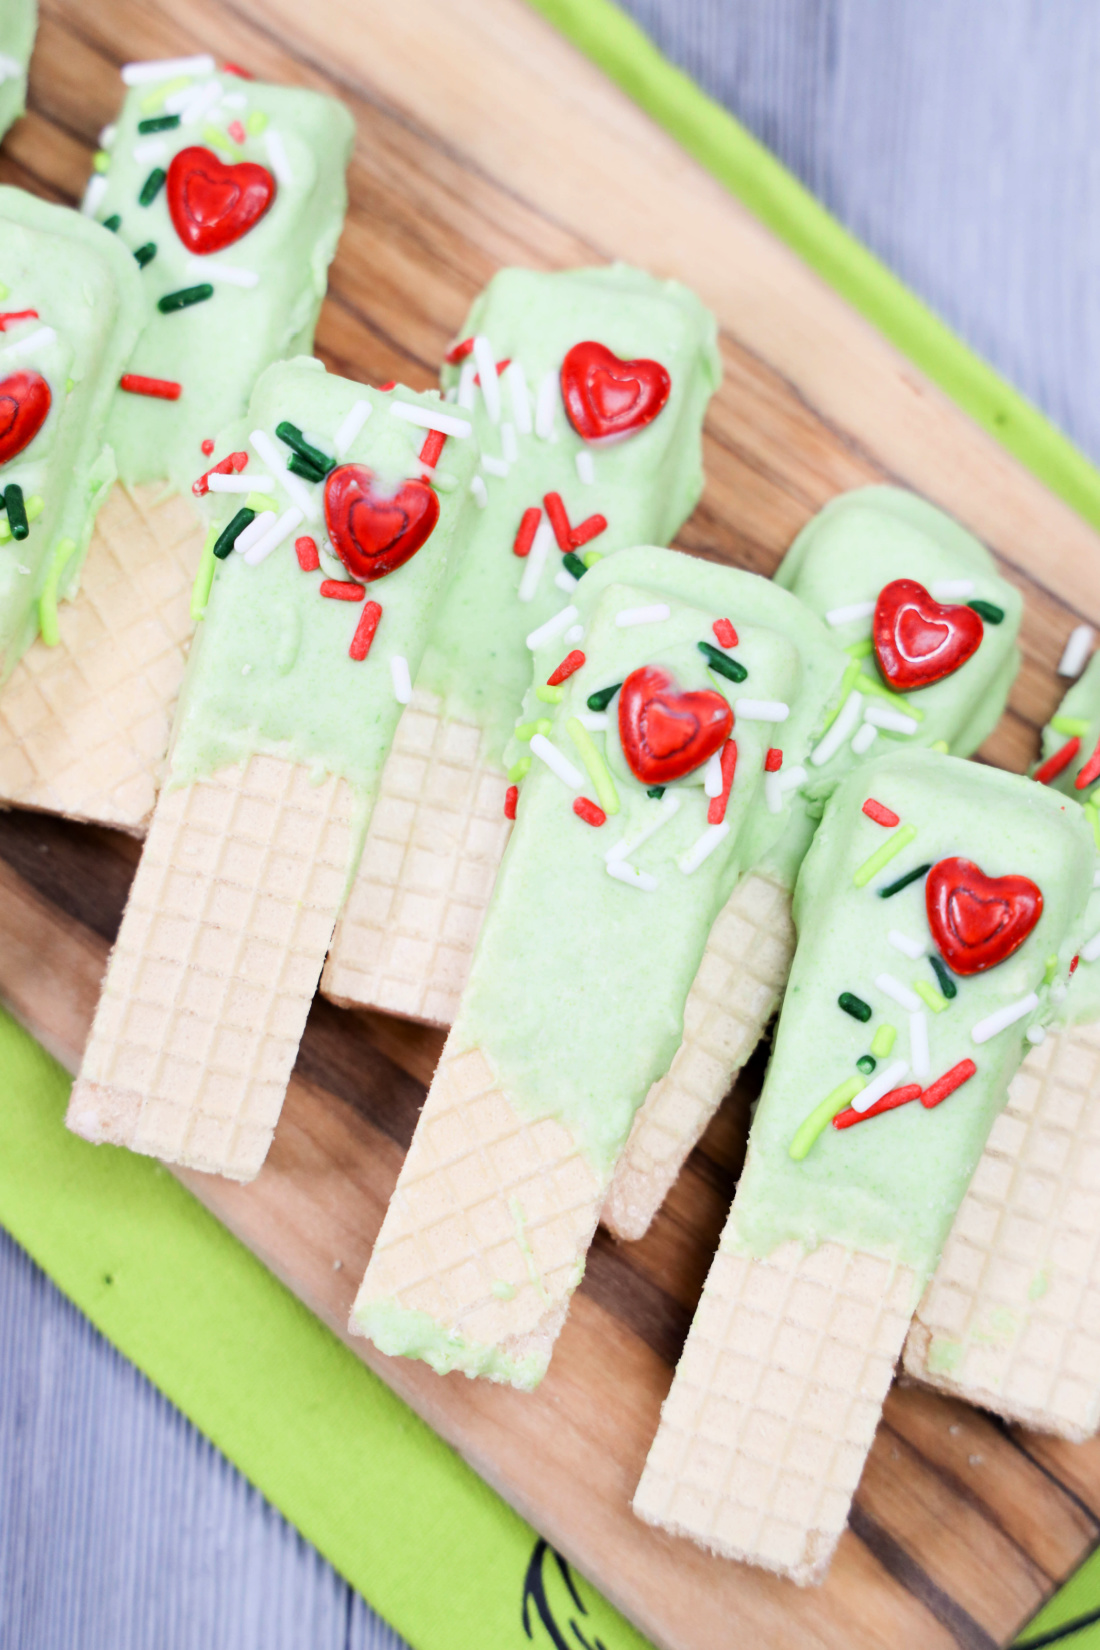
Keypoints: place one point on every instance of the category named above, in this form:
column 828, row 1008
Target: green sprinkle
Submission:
column 1094, row 820
column 847, row 682
column 302, row 467
column 823, row 1114
column 606, row 794
column 1051, row 968
column 33, row 508
column 656, row 791
column 101, row 161
column 204, row 578
column 256, row 123
column 47, row 601
column 988, row 611
column 860, row 650
column 17, row 510
column 228, row 536
column 903, row 882
column 855, row 1006
column 185, row 297
column 292, row 435
column 866, row 1064
column 591, row 557
column 502, row 1290
column 1074, row 727
column 871, row 684
column 528, row 730
column 5, row 291
column 721, row 663
column 152, row 186
column 261, row 501
column 947, row 984
column 155, row 99
column 113, row 223
column 549, row 695
column 901, row 838
column 145, row 254
column 929, row 995
column 939, row 745
column 221, row 140
column 159, row 123
column 573, row 564
column 601, row 699
column 883, row 1041
column 519, row 770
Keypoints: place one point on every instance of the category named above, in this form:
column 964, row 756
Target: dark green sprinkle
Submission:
column 722, row 663
column 159, row 123
column 656, row 791
column 866, row 1064
column 903, row 882
column 855, row 1006
column 17, row 510
column 947, row 984
column 227, row 538
column 601, row 700
column 152, row 186
column 573, row 564
column 292, row 435
column 145, row 254
column 988, row 612
column 185, row 297
column 113, row 222
column 302, row 467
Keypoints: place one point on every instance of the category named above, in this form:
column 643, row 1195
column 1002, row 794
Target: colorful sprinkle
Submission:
column 47, row 601
column 702, row 848
column 293, row 437
column 888, row 1102
column 228, row 536
column 777, row 785
column 866, row 1064
column 724, row 632
column 602, row 698
column 1077, row 650
column 847, row 682
column 882, row 856
column 525, row 532
column 588, row 811
column 946, row 983
column 903, row 882
column 656, row 613
column 1090, row 771
column 897, row 992
column 185, row 298
column 572, row 662
column 549, row 695
column 14, row 316
column 656, row 791
column 350, row 426
column 527, row 730
column 855, row 1006
column 553, row 627
column 574, row 565
column 883, row 1041
column 511, row 797
column 822, row 1115
column 558, row 764
column 837, row 616
column 299, row 466
column 862, row 649
column 919, row 1057
column 152, row 186
column 33, row 506
column 880, row 814
column 624, row 872
column 158, row 123
column 206, row 448
column 113, row 223
column 881, row 1085
column 18, row 525
column 204, row 578
column 364, row 631
column 306, row 551
column 519, row 770
column 597, row 768
column 459, row 352
column 988, row 611
column 589, row 529
column 1070, row 726
column 871, row 684
column 721, row 663
column 838, row 727
column 230, row 466
column 774, row 760
column 716, row 812
column 993, row 1024
column 1073, row 962
column 559, row 521
column 342, row 590
column 163, row 389
column 430, row 452
column 948, row 1083
column 236, row 131
column 401, row 678
column 893, row 721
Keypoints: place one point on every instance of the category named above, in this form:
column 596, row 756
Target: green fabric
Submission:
column 414, row 1529
column 1074, row 1603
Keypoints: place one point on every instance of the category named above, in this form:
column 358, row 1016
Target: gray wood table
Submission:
column 957, row 141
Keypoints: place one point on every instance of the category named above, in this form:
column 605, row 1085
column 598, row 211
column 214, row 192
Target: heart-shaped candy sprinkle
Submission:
column 606, row 398
column 666, row 733
column 24, row 405
column 211, row 204
column 978, row 921
column 918, row 640
column 374, row 531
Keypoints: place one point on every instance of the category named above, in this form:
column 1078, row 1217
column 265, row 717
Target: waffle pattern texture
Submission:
column 84, row 725
column 437, row 835
column 1011, row 1319
column 485, row 1236
column 735, row 993
column 774, row 1404
column 208, row 987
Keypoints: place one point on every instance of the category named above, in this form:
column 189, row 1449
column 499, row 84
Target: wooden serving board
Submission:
column 485, row 139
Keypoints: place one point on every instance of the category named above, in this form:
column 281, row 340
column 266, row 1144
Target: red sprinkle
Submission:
column 364, row 631
column 385, row 388
column 716, row 812
column 11, row 316
column 896, row 1097
column 231, row 466
column 207, row 447
column 773, row 761
column 235, row 68
column 342, row 590
column 1073, row 964
column 236, row 131
column 572, row 661
column 459, row 352
column 1058, row 763
column 433, row 446
column 1090, row 771
column 589, row 812
column 881, row 816
column 559, row 521
column 588, row 530
column 163, row 388
column 525, row 532
column 305, row 549
column 511, row 797
column 724, row 632
column 948, row 1083
column 507, row 362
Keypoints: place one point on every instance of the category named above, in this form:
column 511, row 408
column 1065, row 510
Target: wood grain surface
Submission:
column 483, row 139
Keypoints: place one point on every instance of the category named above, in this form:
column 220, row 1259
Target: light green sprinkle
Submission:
column 155, row 99
column 256, row 123
column 1074, row 727
column 218, row 139
column 928, row 994
column 261, row 501
column 846, row 682
column 871, row 684
column 940, row 745
column 1051, row 968
column 883, row 1041
column 204, row 578
column 823, row 1114
column 591, row 557
column 47, row 601
column 549, row 695
column 101, row 160
column 901, row 838
column 5, row 292
column 519, row 770
column 528, row 730
column 32, row 507
column 502, row 1290
column 606, row 794
column 70, row 385
column 860, row 650
column 1094, row 820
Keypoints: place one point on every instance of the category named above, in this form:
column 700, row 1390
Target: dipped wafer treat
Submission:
column 318, row 592
column 930, row 631
column 587, row 390
column 651, row 774
column 927, row 908
column 1011, row 1319
column 226, row 196
column 18, row 19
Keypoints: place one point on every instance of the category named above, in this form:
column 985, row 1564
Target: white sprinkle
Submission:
column 509, row 446
column 1058, row 991
column 1003, row 1018
column 467, row 389
column 200, row 101
column 254, row 532
column 622, row 872
column 150, row 149
column 1036, row 1035
column 237, row 484
column 108, row 135
column 487, row 372
column 556, row 762
column 426, row 418
column 919, row 1057
column 882, row 1084
column 899, row 993
column 596, row 721
column 1077, row 650
column 627, row 616
column 904, row 943
column 480, row 491
column 586, row 469
column 402, row 681
column 953, row 590
column 287, row 522
column 93, row 195
column 703, row 848
column 536, row 560
column 564, row 580
column 776, row 786
column 521, row 399
column 712, row 777
column 144, row 73
column 352, row 424
column 38, row 339
column 843, row 725
column 545, row 403
column 24, row 572
column 848, row 615
column 881, row 716
column 494, row 466
column 553, row 627
column 306, row 498
column 864, row 738
column 11, row 70
column 210, row 270
column 1091, row 949
column 761, row 710
column 277, row 155
column 628, row 846
column 574, row 634
column 1096, row 879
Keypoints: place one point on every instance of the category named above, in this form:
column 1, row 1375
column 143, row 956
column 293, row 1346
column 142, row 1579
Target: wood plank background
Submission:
column 503, row 146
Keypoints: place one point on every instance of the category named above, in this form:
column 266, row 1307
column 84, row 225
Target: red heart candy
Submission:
column 211, row 204
column 978, row 921
column 665, row 733
column 373, row 532
column 918, row 641
column 605, row 397
column 24, row 404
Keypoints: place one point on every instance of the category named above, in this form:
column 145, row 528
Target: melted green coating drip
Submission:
column 403, row 1334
